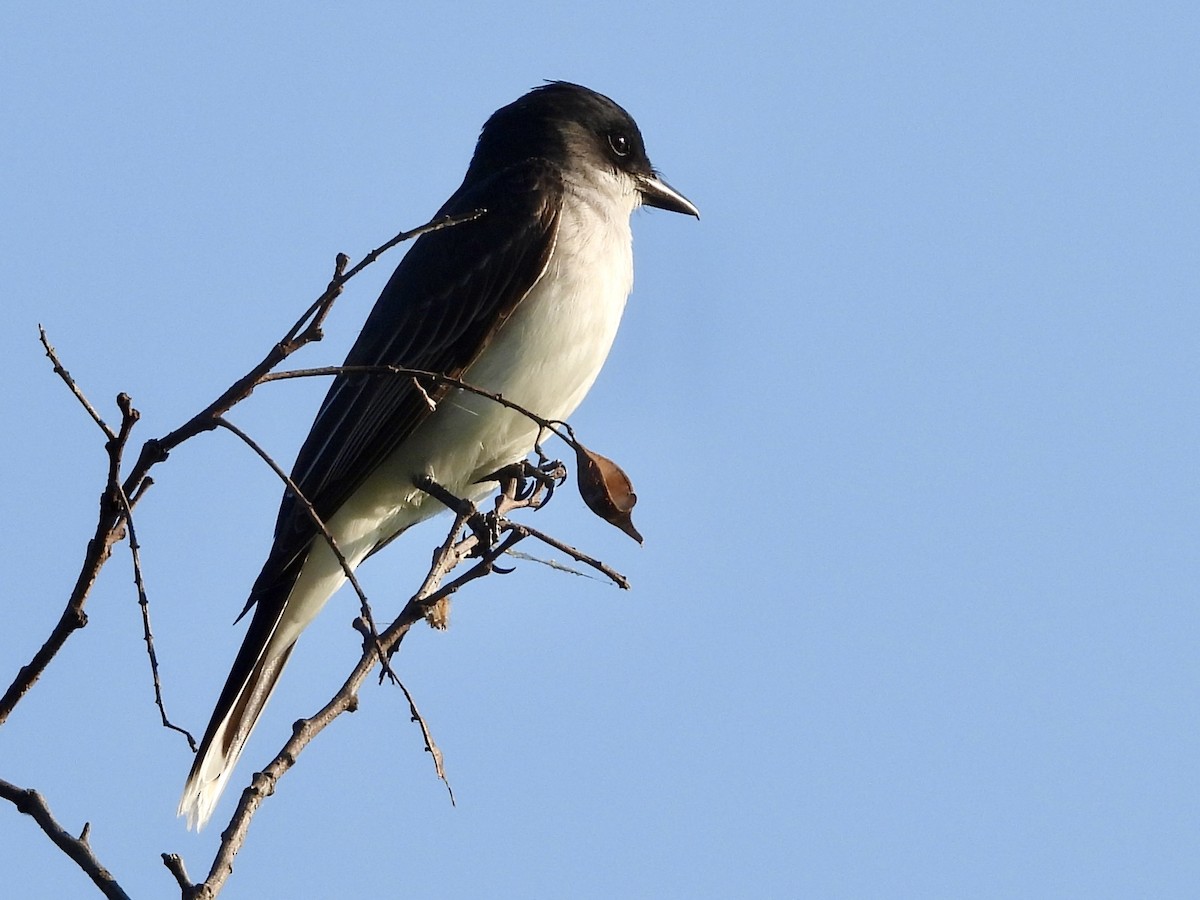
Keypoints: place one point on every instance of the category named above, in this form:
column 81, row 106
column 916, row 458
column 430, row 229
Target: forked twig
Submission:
column 33, row 804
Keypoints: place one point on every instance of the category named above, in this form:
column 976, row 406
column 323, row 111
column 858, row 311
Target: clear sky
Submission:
column 912, row 413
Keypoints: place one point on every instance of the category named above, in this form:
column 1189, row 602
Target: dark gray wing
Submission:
column 437, row 313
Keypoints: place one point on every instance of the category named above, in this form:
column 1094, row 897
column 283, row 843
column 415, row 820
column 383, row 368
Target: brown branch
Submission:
column 33, row 804
column 445, row 559
column 449, row 555
column 110, row 520
column 435, row 225
column 108, row 531
column 262, row 784
column 612, row 574
column 306, row 330
column 431, row 747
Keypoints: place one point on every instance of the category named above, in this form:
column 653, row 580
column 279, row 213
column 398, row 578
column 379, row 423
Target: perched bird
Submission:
column 523, row 301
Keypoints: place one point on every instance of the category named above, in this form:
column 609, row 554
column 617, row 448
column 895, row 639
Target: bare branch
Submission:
column 262, row 785
column 110, row 520
column 108, row 531
column 306, row 330
column 33, row 804
column 435, row 225
column 308, row 326
column 613, row 575
column 430, row 746
column 485, row 566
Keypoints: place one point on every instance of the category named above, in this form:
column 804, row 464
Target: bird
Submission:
column 523, row 301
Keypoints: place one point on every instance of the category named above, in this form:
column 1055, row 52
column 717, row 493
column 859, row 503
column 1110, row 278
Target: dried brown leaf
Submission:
column 606, row 489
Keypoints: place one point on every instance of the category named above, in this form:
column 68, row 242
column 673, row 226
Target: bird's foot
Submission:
column 524, row 484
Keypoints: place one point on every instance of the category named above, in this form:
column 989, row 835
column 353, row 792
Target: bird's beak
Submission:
column 656, row 192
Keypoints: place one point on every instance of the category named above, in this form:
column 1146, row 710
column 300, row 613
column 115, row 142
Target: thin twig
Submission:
column 559, row 428
column 435, row 225
column 135, row 551
column 263, row 783
column 613, row 575
column 430, row 746
column 308, row 326
column 61, row 371
column 445, row 559
column 317, row 521
column 306, row 330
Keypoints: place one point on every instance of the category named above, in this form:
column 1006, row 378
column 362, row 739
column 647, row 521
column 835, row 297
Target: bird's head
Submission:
column 575, row 128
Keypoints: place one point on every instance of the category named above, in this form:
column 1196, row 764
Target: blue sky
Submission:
column 911, row 413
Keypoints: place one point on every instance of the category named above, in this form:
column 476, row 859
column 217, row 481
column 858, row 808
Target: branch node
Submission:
column 125, row 405
column 263, row 784
column 154, row 451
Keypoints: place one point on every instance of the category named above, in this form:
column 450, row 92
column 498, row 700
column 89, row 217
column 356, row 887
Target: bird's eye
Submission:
column 619, row 144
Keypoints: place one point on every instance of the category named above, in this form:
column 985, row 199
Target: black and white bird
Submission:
column 523, row 301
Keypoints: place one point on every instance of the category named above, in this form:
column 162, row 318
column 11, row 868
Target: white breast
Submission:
column 545, row 358
column 549, row 353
